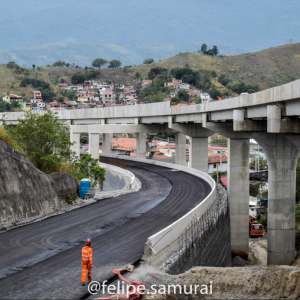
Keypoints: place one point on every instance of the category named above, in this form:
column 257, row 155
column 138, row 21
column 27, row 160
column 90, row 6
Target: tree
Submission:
column 215, row 50
column 58, row 63
column 219, row 140
column 263, row 163
column 5, row 106
column 137, row 74
column 33, row 66
column 148, row 61
column 62, row 80
column 99, row 62
column 183, row 95
column 203, row 49
column 175, row 99
column 43, row 139
column 87, row 167
column 115, row 64
column 15, row 104
column 78, row 78
column 214, row 93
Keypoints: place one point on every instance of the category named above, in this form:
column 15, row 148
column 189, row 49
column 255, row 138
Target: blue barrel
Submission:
column 85, row 184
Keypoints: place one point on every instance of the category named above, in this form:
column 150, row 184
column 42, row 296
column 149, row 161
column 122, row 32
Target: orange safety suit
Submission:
column 219, row 98
column 87, row 263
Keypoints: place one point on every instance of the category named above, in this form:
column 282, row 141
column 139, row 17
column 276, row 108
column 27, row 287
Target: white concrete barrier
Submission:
column 131, row 181
column 168, row 235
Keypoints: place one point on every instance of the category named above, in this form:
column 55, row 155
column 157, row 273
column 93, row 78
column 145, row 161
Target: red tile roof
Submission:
column 215, row 158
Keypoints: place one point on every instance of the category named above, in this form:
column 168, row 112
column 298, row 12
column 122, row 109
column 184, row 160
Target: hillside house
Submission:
column 146, row 82
column 37, row 95
column 214, row 162
column 176, row 81
column 11, row 97
column 63, row 85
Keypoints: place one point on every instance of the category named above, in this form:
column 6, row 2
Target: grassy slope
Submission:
column 267, row 68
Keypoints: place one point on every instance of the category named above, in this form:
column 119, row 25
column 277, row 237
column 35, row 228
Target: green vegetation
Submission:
column 114, row 64
column 219, row 140
column 87, row 167
column 99, row 62
column 7, row 138
column 213, row 52
column 5, row 106
column 41, row 86
column 263, row 163
column 148, row 61
column 43, row 139
column 220, row 174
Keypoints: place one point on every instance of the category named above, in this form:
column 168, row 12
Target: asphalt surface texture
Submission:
column 42, row 260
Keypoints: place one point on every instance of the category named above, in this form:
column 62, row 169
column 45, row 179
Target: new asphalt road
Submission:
column 42, row 260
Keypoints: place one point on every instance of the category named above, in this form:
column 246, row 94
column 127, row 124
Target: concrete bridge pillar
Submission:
column 141, row 145
column 180, row 149
column 282, row 155
column 94, row 145
column 75, row 138
column 238, row 192
column 106, row 142
column 198, row 154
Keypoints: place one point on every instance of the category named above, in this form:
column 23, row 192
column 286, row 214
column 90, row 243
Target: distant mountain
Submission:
column 41, row 32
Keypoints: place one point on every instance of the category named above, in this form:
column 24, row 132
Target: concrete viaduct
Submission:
column 271, row 117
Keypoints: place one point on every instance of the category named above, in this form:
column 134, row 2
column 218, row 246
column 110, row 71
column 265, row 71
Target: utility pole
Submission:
column 217, row 173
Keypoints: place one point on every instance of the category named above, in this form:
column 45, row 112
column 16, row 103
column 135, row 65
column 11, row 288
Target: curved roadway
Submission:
column 45, row 256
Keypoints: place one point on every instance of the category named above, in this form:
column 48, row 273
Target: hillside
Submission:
column 45, row 31
column 267, row 68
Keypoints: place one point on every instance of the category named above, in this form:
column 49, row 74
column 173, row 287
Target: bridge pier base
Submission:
column 180, row 149
column 282, row 155
column 238, row 193
column 141, row 145
column 198, row 154
column 94, row 145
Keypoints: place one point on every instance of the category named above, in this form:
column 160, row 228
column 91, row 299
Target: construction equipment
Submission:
column 136, row 289
column 255, row 229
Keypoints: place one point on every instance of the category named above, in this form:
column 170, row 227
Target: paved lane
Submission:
column 129, row 223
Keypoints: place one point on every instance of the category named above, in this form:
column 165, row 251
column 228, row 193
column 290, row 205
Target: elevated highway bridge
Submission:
column 271, row 117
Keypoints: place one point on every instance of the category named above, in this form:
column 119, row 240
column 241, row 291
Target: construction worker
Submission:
column 219, row 98
column 87, row 262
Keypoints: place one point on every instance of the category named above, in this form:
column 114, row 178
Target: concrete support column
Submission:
column 180, row 149
column 75, row 138
column 106, row 142
column 282, row 155
column 94, row 145
column 198, row 154
column 238, row 193
column 141, row 145
column 274, row 118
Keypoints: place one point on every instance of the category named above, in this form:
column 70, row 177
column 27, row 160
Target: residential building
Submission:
column 168, row 84
column 63, row 85
column 214, row 162
column 37, row 96
column 146, row 82
column 174, row 81
column 11, row 97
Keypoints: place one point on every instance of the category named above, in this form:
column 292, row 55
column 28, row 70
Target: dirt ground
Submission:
column 251, row 279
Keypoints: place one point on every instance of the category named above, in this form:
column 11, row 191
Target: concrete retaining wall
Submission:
column 117, row 179
column 204, row 243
